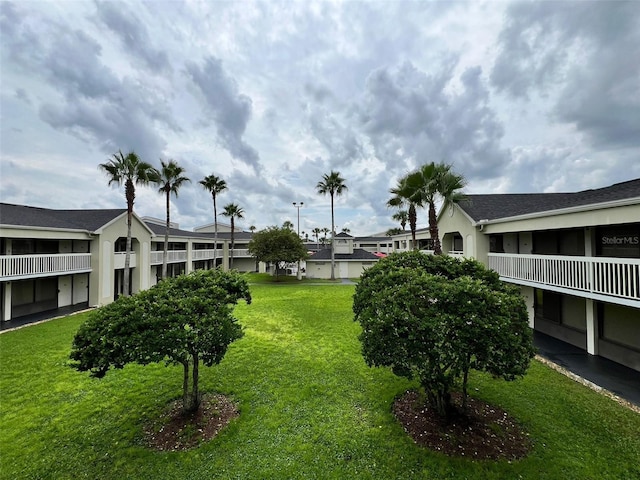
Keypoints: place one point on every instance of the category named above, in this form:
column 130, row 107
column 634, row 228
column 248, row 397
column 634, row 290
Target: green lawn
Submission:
column 310, row 408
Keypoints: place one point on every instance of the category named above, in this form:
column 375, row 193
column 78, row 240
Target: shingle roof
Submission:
column 25, row 216
column 176, row 232
column 504, row 205
column 358, row 254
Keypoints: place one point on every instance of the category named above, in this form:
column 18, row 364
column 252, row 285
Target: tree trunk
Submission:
column 130, row 194
column 215, row 234
column 195, row 393
column 232, row 244
column 413, row 220
column 333, row 256
column 166, row 243
column 127, row 258
column 185, row 386
column 465, row 378
column 440, row 400
column 433, row 230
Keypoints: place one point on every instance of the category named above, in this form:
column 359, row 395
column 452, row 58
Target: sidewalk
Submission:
column 621, row 381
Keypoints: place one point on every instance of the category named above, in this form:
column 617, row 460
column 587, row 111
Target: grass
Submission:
column 310, row 408
column 267, row 278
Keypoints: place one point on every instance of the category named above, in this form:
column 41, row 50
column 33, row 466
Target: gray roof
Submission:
column 358, row 254
column 176, row 232
column 374, row 239
column 25, row 216
column 504, row 205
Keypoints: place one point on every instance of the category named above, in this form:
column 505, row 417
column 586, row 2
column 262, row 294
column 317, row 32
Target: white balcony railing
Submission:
column 17, row 267
column 206, row 254
column 173, row 256
column 241, row 252
column 616, row 277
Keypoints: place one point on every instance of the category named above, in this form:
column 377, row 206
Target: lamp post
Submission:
column 298, row 206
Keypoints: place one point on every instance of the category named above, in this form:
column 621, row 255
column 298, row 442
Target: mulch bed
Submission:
column 484, row 432
column 176, row 430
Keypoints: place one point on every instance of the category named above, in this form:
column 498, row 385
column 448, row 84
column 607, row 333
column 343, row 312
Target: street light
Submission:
column 298, row 206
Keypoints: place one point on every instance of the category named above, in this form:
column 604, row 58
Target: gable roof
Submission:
column 358, row 254
column 25, row 216
column 176, row 232
column 505, row 205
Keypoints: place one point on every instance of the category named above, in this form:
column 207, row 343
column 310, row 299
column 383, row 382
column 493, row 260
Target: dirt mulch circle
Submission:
column 175, row 430
column 485, row 432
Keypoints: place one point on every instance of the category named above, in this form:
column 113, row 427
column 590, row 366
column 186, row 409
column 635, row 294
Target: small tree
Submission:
column 277, row 245
column 183, row 320
column 436, row 317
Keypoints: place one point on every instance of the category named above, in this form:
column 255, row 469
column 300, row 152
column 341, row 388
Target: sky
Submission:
column 270, row 96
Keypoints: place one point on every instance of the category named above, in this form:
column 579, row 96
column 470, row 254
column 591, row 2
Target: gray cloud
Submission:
column 408, row 113
column 590, row 50
column 231, row 110
column 119, row 18
column 94, row 105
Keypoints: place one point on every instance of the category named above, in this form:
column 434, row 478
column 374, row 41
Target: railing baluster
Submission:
column 619, row 277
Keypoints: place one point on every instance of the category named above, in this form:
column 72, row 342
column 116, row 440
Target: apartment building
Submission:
column 71, row 259
column 575, row 257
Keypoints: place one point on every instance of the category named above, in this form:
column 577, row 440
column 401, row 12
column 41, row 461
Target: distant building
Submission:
column 63, row 260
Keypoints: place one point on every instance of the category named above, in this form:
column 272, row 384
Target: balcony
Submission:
column 18, row 267
column 173, row 256
column 206, row 254
column 615, row 280
column 240, row 252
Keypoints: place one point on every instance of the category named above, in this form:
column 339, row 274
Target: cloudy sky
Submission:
column 518, row 96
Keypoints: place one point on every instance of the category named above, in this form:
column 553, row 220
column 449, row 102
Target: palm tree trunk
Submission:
column 130, row 194
column 127, row 258
column 333, row 229
column 215, row 234
column 433, row 230
column 232, row 244
column 166, row 243
column 413, row 220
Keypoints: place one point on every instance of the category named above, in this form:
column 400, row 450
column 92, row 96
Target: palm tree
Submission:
column 346, row 230
column 408, row 193
column 430, row 183
column 448, row 189
column 288, row 225
column 215, row 185
column 325, row 230
column 316, row 233
column 170, row 179
column 129, row 170
column 401, row 216
column 232, row 211
column 333, row 184
column 252, row 228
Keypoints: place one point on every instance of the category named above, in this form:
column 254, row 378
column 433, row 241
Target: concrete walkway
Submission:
column 620, row 382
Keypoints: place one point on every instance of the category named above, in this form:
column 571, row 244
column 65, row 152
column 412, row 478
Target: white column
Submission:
column 189, row 266
column 591, row 313
column 592, row 327
column 6, row 314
